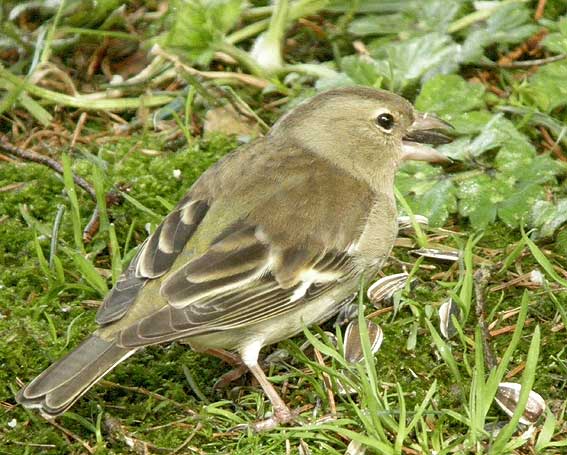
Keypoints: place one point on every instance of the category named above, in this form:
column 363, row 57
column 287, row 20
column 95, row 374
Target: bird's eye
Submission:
column 385, row 121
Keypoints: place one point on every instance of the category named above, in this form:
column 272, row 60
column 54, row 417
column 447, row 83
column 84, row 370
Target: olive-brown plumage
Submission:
column 271, row 239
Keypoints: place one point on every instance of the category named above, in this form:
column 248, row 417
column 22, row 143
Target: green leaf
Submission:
column 362, row 71
column 366, row 6
column 513, row 157
column 496, row 133
column 546, row 88
column 509, row 24
column 478, row 197
column 404, row 63
column 468, row 122
column 548, row 216
column 438, row 202
column 199, row 25
column 449, row 94
column 542, row 169
column 413, row 17
column 557, row 42
column 516, row 206
column 427, row 192
column 380, row 25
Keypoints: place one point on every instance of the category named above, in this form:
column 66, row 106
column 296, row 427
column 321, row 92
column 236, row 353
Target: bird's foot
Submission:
column 281, row 416
column 231, row 376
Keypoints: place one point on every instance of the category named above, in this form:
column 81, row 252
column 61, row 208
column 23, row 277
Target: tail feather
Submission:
column 64, row 382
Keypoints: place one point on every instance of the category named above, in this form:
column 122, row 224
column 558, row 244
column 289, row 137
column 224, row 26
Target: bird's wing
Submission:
column 226, row 259
column 241, row 279
column 155, row 258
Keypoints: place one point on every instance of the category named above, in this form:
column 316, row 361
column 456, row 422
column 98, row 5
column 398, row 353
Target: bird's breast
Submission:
column 378, row 234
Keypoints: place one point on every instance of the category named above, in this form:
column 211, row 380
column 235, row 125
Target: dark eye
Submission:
column 385, row 121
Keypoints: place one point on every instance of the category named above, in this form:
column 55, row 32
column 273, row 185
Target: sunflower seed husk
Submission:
column 507, row 398
column 352, row 345
column 355, row 448
column 446, row 325
column 439, row 255
column 405, row 225
column 385, row 288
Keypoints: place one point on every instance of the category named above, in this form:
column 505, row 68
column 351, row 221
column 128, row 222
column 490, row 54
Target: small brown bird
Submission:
column 271, row 239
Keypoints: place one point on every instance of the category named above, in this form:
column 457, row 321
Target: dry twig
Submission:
column 481, row 278
column 28, row 155
column 72, row 435
column 539, row 10
column 327, row 381
column 149, row 393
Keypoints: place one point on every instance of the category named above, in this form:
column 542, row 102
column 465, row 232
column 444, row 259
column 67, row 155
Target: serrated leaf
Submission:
column 496, row 133
column 547, row 88
column 458, row 150
column 329, row 83
column 380, row 24
column 438, row 203
column 548, row 217
column 468, row 122
column 415, row 17
column 200, row 24
column 514, row 157
column 478, row 197
column 417, row 177
column 430, row 194
column 543, row 169
column 509, row 24
column 408, row 61
column 516, row 207
column 557, row 42
column 362, row 70
column 449, row 94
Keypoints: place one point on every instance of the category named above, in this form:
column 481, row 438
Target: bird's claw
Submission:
column 281, row 416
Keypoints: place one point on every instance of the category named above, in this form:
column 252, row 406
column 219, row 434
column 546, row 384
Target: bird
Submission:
column 271, row 239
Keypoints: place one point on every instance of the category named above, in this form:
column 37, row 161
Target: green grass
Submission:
column 427, row 395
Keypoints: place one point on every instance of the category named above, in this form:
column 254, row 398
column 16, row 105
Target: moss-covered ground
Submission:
column 165, row 394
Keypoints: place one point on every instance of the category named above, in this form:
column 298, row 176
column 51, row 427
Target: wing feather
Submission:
column 237, row 282
column 169, row 239
column 154, row 258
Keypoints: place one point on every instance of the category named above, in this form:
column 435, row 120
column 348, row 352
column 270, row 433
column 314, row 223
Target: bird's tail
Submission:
column 64, row 382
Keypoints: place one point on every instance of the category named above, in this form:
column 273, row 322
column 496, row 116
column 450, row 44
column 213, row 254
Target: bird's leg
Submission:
column 282, row 413
column 226, row 356
column 232, row 359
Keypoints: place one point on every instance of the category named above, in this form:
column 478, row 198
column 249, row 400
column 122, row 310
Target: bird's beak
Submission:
column 426, row 129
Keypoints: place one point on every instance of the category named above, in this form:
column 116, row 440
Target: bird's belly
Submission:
column 279, row 327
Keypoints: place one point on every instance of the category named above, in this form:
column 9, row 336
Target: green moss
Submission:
column 36, row 312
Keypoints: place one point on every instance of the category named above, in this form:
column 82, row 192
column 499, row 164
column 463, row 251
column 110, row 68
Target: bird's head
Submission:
column 364, row 130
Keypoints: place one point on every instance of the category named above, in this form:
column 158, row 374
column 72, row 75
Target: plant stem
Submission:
column 297, row 10
column 242, row 57
column 87, row 102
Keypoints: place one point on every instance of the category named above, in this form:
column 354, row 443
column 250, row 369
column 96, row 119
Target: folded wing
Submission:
column 242, row 279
